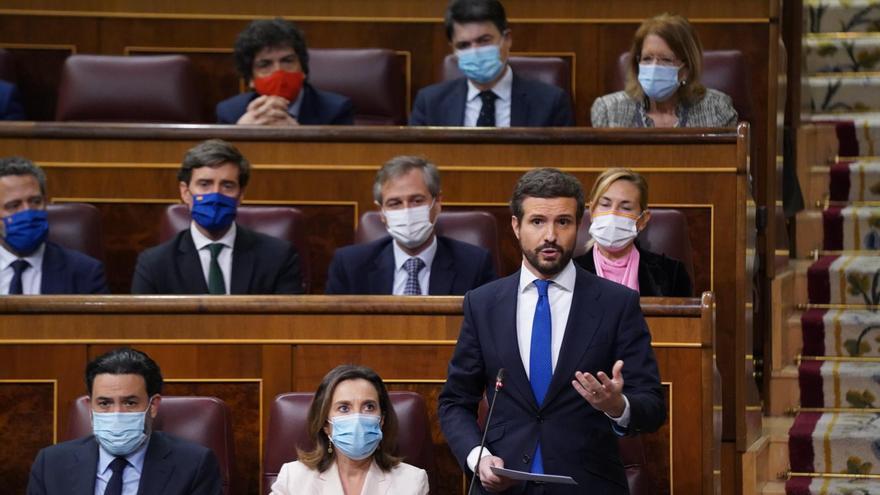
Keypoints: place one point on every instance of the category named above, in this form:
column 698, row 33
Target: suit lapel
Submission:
column 455, row 102
column 82, row 468
column 504, row 322
column 157, row 466
column 442, row 271
column 519, row 104
column 377, row 481
column 583, row 321
column 243, row 259
column 51, row 281
column 308, row 113
column 191, row 275
column 381, row 276
column 329, row 482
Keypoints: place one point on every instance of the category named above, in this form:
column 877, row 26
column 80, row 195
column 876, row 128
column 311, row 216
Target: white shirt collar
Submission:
column 564, row 279
column 427, row 254
column 502, row 89
column 201, row 240
column 35, row 258
column 135, row 459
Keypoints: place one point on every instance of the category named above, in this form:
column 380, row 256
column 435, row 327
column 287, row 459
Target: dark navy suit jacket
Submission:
column 369, row 268
column 260, row 265
column 66, row 271
column 605, row 324
column 10, row 102
column 317, row 108
column 533, row 104
column 171, row 467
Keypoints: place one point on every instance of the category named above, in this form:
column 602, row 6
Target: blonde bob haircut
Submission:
column 679, row 34
column 612, row 175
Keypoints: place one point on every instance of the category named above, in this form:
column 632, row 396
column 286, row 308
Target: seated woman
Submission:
column 354, row 428
column 663, row 83
column 618, row 212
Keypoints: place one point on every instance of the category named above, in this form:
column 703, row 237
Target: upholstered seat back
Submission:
column 76, row 226
column 105, row 88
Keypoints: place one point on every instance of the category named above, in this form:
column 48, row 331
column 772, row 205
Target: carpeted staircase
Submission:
column 834, row 443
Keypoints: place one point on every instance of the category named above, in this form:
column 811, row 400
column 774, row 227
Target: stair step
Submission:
column 841, row 15
column 840, row 384
column 773, row 488
column 841, row 53
column 854, row 182
column 834, row 443
column 831, row 486
column 841, row 93
column 845, row 279
column 785, row 391
column 835, row 332
column 858, row 132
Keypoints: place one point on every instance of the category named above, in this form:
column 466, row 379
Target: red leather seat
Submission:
column 666, row 233
column 288, row 429
column 284, row 223
column 723, row 70
column 473, row 227
column 373, row 78
column 551, row 70
column 203, row 420
column 76, row 226
column 103, row 88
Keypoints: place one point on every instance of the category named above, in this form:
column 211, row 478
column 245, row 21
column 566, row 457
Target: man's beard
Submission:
column 548, row 269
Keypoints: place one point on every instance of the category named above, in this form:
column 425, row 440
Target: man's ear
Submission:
column 514, row 223
column 185, row 194
column 154, row 405
column 240, row 197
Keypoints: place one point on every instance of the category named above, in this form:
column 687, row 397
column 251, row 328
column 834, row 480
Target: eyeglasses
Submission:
column 652, row 60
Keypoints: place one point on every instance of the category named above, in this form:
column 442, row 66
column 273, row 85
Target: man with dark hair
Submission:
column 124, row 455
column 271, row 56
column 490, row 94
column 577, row 353
column 413, row 260
column 215, row 255
column 29, row 263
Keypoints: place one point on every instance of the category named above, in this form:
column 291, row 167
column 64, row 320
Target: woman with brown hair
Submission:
column 354, row 427
column 663, row 82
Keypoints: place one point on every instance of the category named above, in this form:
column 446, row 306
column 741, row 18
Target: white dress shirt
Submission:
column 131, row 475
column 503, row 89
column 400, row 275
column 31, row 278
column 560, row 294
column 224, row 259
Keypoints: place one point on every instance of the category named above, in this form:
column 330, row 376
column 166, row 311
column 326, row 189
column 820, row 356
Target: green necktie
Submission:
column 215, row 274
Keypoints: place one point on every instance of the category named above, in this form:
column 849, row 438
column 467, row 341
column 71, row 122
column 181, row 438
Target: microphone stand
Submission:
column 499, row 383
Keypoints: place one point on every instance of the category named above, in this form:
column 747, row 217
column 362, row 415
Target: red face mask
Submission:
column 280, row 83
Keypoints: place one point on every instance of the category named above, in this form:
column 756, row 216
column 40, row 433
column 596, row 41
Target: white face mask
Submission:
column 410, row 227
column 613, row 230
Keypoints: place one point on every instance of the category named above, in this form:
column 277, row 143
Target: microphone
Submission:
column 499, row 384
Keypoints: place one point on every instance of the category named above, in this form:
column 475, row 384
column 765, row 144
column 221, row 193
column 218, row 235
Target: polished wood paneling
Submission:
column 24, row 403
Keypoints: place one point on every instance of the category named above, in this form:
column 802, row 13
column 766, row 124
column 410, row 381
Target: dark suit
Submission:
column 10, row 102
column 171, row 466
column 605, row 324
column 659, row 276
column 532, row 104
column 317, row 108
column 369, row 268
column 66, row 271
column 260, row 265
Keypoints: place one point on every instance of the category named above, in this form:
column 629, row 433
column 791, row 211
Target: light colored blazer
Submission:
column 618, row 109
column 297, row 479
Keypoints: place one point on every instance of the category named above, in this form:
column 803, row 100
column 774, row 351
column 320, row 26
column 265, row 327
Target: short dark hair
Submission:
column 263, row 33
column 546, row 183
column 464, row 11
column 319, row 458
column 401, row 165
column 126, row 361
column 17, row 165
column 213, row 153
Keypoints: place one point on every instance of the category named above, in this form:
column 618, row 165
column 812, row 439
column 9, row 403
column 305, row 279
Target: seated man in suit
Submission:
column 10, row 102
column 29, row 264
column 215, row 255
column 413, row 260
column 272, row 58
column 490, row 94
column 125, row 455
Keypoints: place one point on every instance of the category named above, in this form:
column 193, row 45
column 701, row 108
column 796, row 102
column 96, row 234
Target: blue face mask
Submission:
column 26, row 230
column 481, row 64
column 356, row 435
column 120, row 433
column 659, row 82
column 213, row 211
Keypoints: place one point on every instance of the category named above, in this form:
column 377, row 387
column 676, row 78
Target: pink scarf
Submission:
column 624, row 271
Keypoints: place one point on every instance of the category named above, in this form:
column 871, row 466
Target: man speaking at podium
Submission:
column 580, row 370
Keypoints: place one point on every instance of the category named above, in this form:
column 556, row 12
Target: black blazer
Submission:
column 605, row 324
column 66, row 271
column 172, row 466
column 533, row 104
column 659, row 276
column 369, row 268
column 260, row 265
column 317, row 108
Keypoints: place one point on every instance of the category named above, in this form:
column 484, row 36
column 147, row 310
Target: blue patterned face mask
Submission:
column 26, row 230
column 356, row 435
column 120, row 433
column 481, row 64
column 214, row 211
column 659, row 82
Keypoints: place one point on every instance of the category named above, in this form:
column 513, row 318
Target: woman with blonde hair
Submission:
column 618, row 212
column 663, row 82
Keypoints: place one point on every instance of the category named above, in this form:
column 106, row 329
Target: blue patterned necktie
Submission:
column 540, row 360
column 413, row 266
